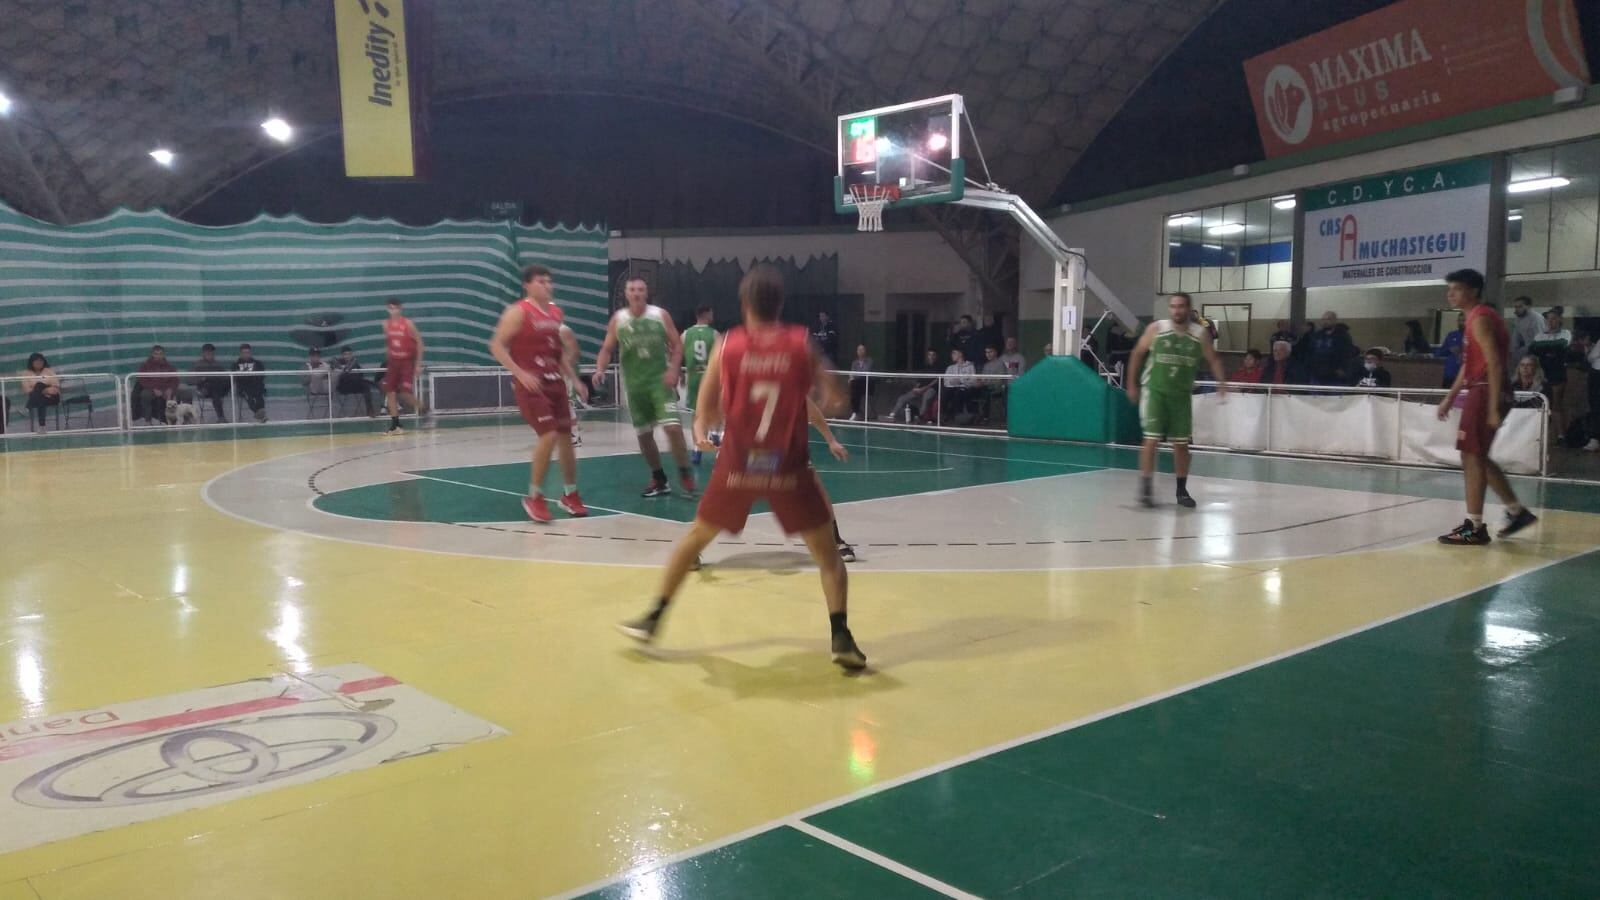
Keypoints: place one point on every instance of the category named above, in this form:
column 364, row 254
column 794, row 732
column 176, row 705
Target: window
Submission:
column 1234, row 247
column 1553, row 227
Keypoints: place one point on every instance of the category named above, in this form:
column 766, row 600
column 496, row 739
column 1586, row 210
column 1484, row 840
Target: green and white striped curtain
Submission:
column 95, row 297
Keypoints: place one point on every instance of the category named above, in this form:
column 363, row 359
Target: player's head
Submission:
column 1463, row 288
column 394, row 307
column 538, row 284
column 761, row 294
column 208, row 351
column 703, row 314
column 637, row 292
column 1180, row 306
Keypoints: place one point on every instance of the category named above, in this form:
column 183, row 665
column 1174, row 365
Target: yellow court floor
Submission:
column 133, row 573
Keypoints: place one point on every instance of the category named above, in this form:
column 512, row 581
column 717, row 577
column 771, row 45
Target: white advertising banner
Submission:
column 1412, row 226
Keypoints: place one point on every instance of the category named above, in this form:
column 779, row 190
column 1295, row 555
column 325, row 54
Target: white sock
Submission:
column 570, row 488
column 1514, row 508
column 535, row 491
column 1477, row 521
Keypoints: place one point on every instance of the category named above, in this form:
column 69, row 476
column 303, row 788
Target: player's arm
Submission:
column 569, row 362
column 820, row 423
column 602, row 360
column 708, row 406
column 674, row 351
column 500, row 346
column 830, row 397
column 1136, row 363
column 1209, row 348
column 416, row 335
column 1455, row 389
column 1493, row 365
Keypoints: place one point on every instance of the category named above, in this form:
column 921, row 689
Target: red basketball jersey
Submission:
column 537, row 346
column 1472, row 361
column 398, row 339
column 766, row 377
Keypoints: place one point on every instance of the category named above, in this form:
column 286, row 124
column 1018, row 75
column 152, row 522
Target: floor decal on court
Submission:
column 73, row 773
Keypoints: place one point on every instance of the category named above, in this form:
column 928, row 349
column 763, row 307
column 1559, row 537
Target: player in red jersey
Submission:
column 403, row 344
column 757, row 387
column 1483, row 377
column 541, row 353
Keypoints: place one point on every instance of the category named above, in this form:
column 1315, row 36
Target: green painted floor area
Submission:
column 1455, row 752
column 886, row 465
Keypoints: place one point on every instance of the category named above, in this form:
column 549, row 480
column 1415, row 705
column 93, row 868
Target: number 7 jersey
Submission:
column 766, row 378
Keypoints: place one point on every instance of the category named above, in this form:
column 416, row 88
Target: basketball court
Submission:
column 1063, row 685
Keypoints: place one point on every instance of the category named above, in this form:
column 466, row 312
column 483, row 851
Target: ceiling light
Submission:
column 1538, row 184
column 278, row 130
column 1185, row 219
column 1514, row 217
column 1225, row 228
column 883, row 145
column 938, row 141
column 5, row 105
column 1283, row 203
column 1212, row 246
column 162, row 156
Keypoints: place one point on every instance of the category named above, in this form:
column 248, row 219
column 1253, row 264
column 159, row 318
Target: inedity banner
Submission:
column 1412, row 62
column 383, row 86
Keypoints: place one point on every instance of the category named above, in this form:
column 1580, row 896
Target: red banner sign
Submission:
column 1412, row 62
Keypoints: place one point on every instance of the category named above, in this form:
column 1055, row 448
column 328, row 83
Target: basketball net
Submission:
column 870, row 199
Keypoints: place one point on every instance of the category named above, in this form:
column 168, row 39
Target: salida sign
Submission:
column 1404, row 226
column 1412, row 62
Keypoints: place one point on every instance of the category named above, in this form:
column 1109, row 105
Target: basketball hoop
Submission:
column 870, row 199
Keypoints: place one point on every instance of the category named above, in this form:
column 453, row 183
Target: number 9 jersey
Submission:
column 765, row 455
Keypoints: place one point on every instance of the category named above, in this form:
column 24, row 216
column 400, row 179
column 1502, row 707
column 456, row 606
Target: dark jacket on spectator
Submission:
column 1378, row 377
column 158, row 383
column 254, row 384
column 213, row 386
column 1275, row 372
column 1328, row 353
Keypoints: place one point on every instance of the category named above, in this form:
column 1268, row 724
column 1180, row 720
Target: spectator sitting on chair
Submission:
column 157, row 383
column 1250, row 372
column 348, row 379
column 42, row 389
column 1281, row 368
column 1415, row 342
column 211, row 387
column 858, row 383
column 1015, row 362
column 253, row 388
column 994, row 387
column 1551, row 347
column 959, row 386
column 316, row 375
column 922, row 392
column 1330, row 349
column 1373, row 374
column 1450, row 349
column 1528, row 378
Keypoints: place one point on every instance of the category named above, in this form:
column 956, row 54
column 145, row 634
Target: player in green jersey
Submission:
column 651, row 353
column 698, row 342
column 1164, row 390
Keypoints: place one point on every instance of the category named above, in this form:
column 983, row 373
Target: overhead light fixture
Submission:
column 1174, row 244
column 1514, row 216
column 1225, row 228
column 278, row 130
column 5, row 105
column 883, row 145
column 1212, row 246
column 1185, row 219
column 938, row 141
column 1538, row 184
column 162, row 156
column 1283, row 203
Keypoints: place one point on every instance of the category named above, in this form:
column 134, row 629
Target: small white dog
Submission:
column 181, row 413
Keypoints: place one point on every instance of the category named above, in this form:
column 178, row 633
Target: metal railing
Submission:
column 927, row 400
column 476, row 390
column 1394, row 424
column 230, row 399
column 84, row 402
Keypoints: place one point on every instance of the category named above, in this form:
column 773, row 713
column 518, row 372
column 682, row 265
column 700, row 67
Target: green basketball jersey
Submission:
column 642, row 345
column 1175, row 355
column 697, row 344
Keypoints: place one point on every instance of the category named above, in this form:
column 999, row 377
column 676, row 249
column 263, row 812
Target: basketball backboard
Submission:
column 915, row 148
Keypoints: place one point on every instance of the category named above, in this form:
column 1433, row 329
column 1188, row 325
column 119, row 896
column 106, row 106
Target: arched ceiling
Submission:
column 97, row 84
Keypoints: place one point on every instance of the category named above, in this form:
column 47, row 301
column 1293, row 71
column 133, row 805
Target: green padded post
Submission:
column 1062, row 399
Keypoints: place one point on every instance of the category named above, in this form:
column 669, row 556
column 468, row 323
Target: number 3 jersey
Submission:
column 766, row 378
column 1175, row 354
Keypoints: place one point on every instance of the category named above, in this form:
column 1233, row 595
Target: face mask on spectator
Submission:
column 1372, row 367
